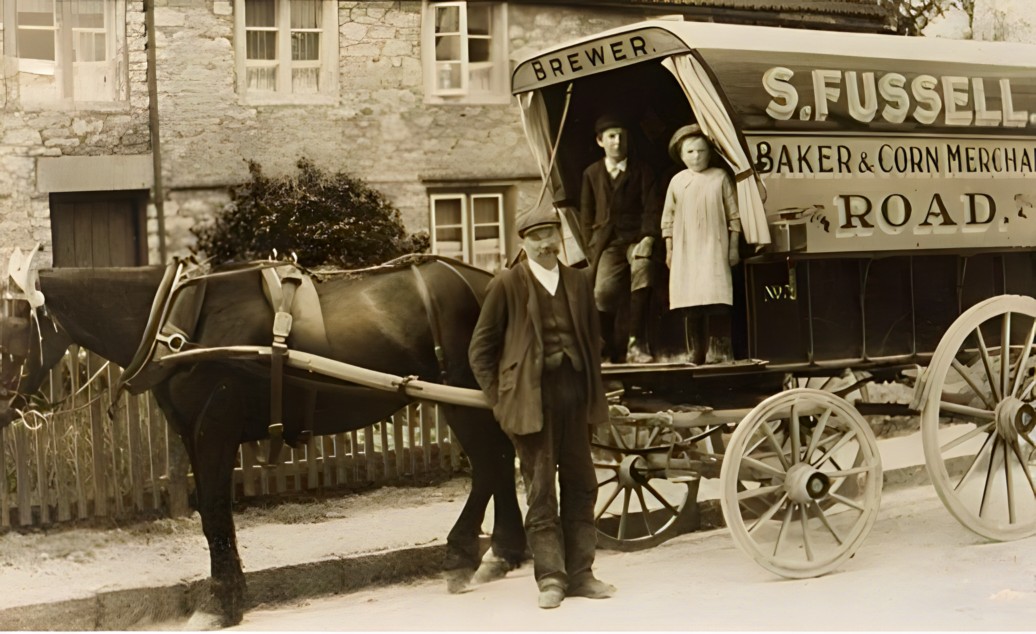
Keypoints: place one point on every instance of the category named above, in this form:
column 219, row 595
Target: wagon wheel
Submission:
column 977, row 418
column 801, row 482
column 637, row 506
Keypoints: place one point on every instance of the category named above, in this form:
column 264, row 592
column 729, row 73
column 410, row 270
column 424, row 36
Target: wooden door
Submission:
column 94, row 229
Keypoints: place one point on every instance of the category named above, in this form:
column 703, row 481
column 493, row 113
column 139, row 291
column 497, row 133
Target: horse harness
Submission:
column 292, row 295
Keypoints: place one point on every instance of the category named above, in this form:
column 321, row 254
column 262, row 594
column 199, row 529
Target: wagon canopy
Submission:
column 803, row 117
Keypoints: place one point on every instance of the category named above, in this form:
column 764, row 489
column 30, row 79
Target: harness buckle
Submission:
column 282, row 324
column 175, row 342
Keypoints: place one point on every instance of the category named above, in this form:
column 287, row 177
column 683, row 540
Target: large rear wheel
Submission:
column 977, row 418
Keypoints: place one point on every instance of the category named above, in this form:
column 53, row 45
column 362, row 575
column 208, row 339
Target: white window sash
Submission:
column 465, row 246
column 283, row 62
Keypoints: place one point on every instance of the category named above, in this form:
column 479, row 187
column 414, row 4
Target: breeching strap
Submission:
column 433, row 320
column 282, row 290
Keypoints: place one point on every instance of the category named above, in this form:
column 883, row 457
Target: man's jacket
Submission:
column 633, row 199
column 506, row 351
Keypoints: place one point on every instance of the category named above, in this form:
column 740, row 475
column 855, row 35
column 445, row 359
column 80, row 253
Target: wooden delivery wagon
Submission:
column 886, row 187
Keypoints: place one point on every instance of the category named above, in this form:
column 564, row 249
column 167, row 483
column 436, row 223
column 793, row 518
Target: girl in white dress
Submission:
column 701, row 226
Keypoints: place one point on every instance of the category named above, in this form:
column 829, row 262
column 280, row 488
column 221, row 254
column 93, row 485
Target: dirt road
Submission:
column 918, row 570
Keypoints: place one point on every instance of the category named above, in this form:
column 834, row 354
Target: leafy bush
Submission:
column 326, row 219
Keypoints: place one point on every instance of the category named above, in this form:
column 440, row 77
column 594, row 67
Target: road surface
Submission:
column 918, row 570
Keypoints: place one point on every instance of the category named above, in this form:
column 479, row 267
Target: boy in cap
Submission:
column 620, row 212
column 535, row 355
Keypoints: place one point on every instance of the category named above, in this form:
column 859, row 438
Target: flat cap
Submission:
column 607, row 121
column 540, row 217
column 682, row 133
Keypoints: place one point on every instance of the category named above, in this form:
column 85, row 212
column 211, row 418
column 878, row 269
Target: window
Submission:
column 288, row 49
column 70, row 50
column 469, row 227
column 464, row 51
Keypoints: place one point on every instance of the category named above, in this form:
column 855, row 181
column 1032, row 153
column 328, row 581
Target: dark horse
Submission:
column 375, row 320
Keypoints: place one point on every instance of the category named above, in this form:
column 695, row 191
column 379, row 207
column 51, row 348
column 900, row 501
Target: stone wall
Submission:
column 28, row 134
column 379, row 129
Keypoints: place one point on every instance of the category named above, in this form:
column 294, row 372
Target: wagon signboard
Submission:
column 873, row 193
column 885, row 152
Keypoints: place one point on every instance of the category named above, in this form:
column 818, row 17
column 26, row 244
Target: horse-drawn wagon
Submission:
column 897, row 233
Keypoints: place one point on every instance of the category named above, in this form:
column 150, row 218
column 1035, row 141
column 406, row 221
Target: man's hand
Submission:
column 669, row 253
column 732, row 252
column 643, row 248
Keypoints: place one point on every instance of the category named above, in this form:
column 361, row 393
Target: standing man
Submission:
column 620, row 212
column 535, row 353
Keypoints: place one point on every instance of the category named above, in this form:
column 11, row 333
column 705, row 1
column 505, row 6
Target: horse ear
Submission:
column 19, row 268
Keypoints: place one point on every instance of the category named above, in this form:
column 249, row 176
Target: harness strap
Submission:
column 159, row 311
column 282, row 294
column 478, row 300
column 433, row 320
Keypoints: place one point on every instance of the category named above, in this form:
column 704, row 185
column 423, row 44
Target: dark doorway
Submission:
column 94, row 229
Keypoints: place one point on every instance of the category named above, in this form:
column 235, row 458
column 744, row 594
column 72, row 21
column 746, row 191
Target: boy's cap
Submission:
column 607, row 121
column 682, row 133
column 540, row 217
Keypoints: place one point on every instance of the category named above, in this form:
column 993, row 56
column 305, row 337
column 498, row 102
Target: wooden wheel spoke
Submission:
column 672, row 509
column 989, row 477
column 652, row 435
column 643, row 511
column 748, row 494
column 842, row 473
column 617, row 437
column 1023, row 360
column 804, row 520
column 965, row 373
column 776, row 445
column 963, row 438
column 793, row 431
column 784, row 528
column 610, row 466
column 818, row 433
column 827, row 523
column 987, row 364
column 974, row 461
column 1025, row 467
column 614, row 478
column 1005, row 354
column 966, row 410
column 849, row 435
column 1009, row 482
column 762, row 466
column 770, row 512
column 847, row 501
column 604, row 508
column 625, row 513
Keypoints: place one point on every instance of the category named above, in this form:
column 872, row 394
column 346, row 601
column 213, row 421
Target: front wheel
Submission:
column 801, row 482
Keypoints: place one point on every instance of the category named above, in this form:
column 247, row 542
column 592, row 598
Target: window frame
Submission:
column 63, row 67
column 327, row 64
column 468, row 224
column 499, row 62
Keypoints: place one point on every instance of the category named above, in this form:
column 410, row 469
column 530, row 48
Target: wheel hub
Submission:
column 632, row 471
column 1014, row 417
column 805, row 483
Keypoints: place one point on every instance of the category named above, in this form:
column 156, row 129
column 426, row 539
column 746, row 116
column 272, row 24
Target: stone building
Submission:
column 124, row 122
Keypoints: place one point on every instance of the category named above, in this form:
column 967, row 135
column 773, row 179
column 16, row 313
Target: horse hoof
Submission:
column 458, row 580
column 492, row 568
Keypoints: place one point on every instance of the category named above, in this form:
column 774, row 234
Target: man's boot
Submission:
column 694, row 337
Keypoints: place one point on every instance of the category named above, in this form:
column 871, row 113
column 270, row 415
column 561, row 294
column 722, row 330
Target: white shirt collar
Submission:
column 611, row 165
column 548, row 278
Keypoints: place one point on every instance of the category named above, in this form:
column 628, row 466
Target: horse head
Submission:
column 31, row 342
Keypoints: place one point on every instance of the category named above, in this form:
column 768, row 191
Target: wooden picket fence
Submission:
column 76, row 463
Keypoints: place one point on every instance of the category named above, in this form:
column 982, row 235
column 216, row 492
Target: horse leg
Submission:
column 215, row 443
column 491, row 455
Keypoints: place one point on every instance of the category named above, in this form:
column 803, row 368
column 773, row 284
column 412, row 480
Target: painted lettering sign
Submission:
column 867, row 193
column 595, row 56
column 795, row 92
